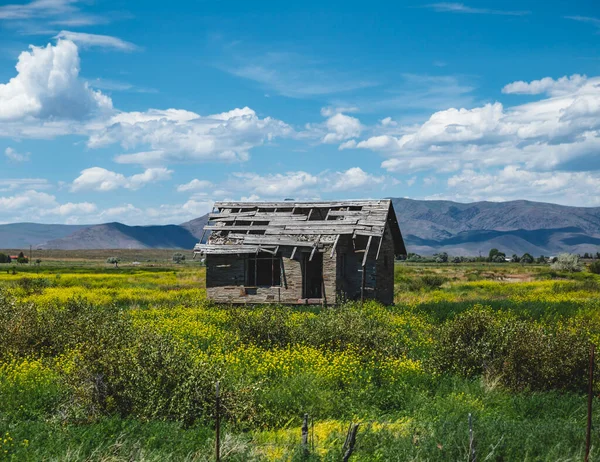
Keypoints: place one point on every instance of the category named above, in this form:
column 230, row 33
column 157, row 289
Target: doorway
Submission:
column 312, row 276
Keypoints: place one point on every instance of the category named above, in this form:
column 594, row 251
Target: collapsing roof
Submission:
column 251, row 227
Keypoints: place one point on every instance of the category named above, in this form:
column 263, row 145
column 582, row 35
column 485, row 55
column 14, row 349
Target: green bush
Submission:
column 595, row 267
column 519, row 354
column 267, row 326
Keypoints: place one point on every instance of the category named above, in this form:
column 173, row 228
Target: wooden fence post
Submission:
column 472, row 454
column 588, row 435
column 217, row 422
column 350, row 441
column 305, row 436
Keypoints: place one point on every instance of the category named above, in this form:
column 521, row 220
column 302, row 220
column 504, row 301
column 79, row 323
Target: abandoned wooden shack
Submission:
column 301, row 252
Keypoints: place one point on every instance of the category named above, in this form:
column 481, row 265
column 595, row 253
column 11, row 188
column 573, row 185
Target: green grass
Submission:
column 109, row 364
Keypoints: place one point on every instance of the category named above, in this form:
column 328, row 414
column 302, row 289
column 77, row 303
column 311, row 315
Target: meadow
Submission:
column 107, row 364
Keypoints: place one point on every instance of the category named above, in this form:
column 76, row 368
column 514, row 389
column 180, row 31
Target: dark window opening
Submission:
column 263, row 271
column 312, row 275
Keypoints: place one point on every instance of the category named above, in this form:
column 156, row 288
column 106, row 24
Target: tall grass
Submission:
column 122, row 366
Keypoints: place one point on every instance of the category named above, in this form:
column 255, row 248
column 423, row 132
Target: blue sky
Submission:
column 147, row 112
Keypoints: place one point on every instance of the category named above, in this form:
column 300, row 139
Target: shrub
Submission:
column 567, row 262
column 113, row 261
column 266, row 326
column 595, row 267
column 178, row 257
column 33, row 285
column 519, row 354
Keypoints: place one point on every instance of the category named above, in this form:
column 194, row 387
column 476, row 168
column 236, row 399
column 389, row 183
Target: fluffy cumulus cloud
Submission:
column 101, row 179
column 562, row 86
column 555, row 133
column 183, row 136
column 354, row 178
column 275, row 185
column 48, row 87
column 24, row 205
column 341, row 127
column 301, row 184
column 513, row 182
column 48, row 98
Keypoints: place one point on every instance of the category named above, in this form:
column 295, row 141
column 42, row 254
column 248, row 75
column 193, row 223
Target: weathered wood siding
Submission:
column 379, row 277
column 226, row 276
column 385, row 269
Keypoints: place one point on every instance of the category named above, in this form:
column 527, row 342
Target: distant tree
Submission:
column 413, row 257
column 587, row 255
column 567, row 262
column 22, row 259
column 113, row 261
column 499, row 258
column 541, row 259
column 492, row 254
column 598, row 255
column 178, row 257
column 4, row 258
column 457, row 259
column 38, row 262
column 526, row 258
column 441, row 257
column 515, row 258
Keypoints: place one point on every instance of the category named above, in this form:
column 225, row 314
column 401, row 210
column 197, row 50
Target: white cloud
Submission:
column 100, row 179
column 275, row 185
column 341, row 127
column 388, row 122
column 350, row 144
column 94, row 40
column 331, row 110
column 453, row 7
column 37, row 8
column 183, row 136
column 562, row 86
column 352, row 179
column 301, row 184
column 26, row 199
column 71, row 208
column 11, row 184
column 47, row 86
column 512, row 182
column 560, row 132
column 15, row 156
column 194, row 186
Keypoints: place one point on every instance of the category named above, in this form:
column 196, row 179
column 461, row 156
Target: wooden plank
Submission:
column 236, row 228
column 274, row 240
column 308, row 232
column 337, row 238
column 293, row 253
column 291, row 204
column 379, row 248
column 364, row 262
column 314, row 248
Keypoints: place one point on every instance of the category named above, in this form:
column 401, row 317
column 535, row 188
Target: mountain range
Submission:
column 427, row 226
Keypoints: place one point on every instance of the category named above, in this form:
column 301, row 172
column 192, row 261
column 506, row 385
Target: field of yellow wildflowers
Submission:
column 108, row 364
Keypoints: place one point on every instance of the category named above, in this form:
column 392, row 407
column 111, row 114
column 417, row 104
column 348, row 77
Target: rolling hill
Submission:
column 427, row 227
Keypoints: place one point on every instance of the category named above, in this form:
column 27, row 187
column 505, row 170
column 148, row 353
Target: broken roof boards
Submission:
column 252, row 227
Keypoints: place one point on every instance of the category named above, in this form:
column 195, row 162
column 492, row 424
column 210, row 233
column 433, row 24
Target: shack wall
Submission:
column 226, row 277
column 385, row 269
